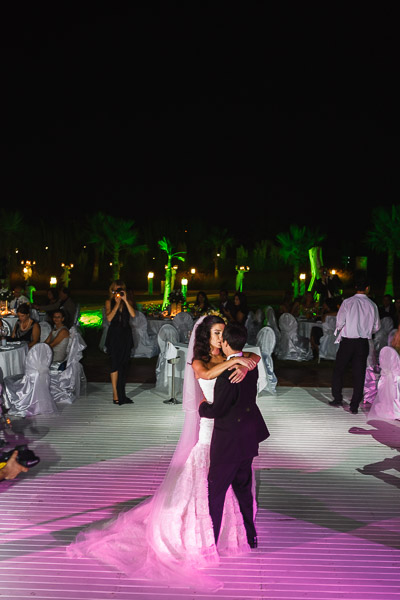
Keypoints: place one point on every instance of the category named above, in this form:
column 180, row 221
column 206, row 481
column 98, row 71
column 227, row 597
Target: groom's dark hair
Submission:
column 235, row 335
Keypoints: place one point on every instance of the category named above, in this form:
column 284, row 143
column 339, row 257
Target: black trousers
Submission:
column 220, row 477
column 352, row 351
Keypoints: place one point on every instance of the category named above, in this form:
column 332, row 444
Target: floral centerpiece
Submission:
column 176, row 300
column 6, row 296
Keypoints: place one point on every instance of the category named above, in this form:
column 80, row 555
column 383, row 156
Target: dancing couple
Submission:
column 205, row 506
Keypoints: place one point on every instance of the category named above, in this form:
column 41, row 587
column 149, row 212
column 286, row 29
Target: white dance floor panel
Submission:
column 328, row 500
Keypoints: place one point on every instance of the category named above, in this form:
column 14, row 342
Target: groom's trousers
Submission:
column 240, row 476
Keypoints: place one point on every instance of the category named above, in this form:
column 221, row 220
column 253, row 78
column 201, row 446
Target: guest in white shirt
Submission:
column 356, row 321
column 18, row 299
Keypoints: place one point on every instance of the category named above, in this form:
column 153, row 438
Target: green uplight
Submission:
column 92, row 318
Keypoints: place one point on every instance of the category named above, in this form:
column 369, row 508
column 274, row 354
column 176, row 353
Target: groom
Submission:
column 238, row 430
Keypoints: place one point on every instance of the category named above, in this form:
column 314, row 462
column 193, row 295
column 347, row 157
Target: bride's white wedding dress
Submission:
column 170, row 536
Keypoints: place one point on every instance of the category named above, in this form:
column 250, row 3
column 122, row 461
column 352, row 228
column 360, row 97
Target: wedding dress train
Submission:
column 170, row 536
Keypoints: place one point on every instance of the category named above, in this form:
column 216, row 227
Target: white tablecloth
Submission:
column 180, row 366
column 154, row 325
column 304, row 327
column 12, row 359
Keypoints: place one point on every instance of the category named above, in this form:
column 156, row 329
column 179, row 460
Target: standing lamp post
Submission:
column 302, row 278
column 150, row 279
column 184, row 285
column 66, row 276
column 240, row 276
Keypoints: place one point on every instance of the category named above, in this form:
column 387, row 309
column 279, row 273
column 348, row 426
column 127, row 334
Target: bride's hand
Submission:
column 238, row 374
column 249, row 363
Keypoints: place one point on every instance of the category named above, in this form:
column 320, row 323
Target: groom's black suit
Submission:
column 238, row 430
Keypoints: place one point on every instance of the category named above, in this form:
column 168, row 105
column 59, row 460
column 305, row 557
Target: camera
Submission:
column 26, row 457
column 120, row 291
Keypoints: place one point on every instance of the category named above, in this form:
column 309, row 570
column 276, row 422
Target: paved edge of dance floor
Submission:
column 328, row 515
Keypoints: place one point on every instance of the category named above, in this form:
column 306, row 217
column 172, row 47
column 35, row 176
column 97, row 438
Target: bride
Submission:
column 169, row 536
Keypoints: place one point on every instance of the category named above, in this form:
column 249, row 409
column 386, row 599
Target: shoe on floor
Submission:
column 335, row 403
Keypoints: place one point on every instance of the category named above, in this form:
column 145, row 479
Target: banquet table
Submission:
column 304, row 327
column 154, row 325
column 12, row 359
column 181, row 364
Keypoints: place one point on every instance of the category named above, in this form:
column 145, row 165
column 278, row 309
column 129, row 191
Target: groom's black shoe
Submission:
column 335, row 403
column 253, row 543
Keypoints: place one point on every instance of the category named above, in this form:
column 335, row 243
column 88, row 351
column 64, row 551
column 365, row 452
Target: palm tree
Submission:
column 120, row 238
column 295, row 245
column 166, row 245
column 97, row 238
column 384, row 237
column 12, row 226
column 218, row 241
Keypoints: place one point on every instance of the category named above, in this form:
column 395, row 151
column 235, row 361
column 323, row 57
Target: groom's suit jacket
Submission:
column 238, row 423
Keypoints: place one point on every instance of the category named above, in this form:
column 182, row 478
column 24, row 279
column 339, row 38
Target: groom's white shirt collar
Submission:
column 233, row 355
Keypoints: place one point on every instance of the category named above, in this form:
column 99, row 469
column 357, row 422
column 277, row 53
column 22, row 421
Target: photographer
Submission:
column 12, row 468
column 327, row 286
column 119, row 340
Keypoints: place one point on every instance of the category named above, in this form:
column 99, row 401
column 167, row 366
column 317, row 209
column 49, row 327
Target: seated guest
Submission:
column 329, row 308
column 395, row 343
column 225, row 304
column 388, row 309
column 58, row 339
column 68, row 306
column 240, row 308
column 26, row 329
column 308, row 305
column 202, row 304
column 18, row 299
column 53, row 302
column 289, row 305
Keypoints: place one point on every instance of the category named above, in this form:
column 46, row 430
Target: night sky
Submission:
column 251, row 119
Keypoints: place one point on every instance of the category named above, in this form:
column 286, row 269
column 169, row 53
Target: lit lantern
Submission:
column 184, row 284
column 150, row 278
column 53, row 281
column 302, row 278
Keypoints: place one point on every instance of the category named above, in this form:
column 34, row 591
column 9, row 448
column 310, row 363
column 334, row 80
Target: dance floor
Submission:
column 328, row 500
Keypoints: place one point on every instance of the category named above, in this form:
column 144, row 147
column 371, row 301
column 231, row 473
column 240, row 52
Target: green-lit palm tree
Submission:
column 166, row 245
column 218, row 241
column 295, row 245
column 384, row 237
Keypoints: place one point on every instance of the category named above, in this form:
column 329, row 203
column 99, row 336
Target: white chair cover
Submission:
column 145, row 344
column 381, row 336
column 68, row 385
column 29, row 394
column 168, row 333
column 327, row 347
column 291, row 345
column 183, row 322
column 34, row 314
column 45, row 330
column 266, row 341
column 271, row 321
column 253, row 326
column 6, row 327
column 77, row 315
column 386, row 405
column 106, row 325
column 372, row 374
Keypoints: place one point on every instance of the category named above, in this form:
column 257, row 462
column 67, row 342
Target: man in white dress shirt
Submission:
column 356, row 321
column 19, row 298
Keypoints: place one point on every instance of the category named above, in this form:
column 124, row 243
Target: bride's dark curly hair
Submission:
column 201, row 349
